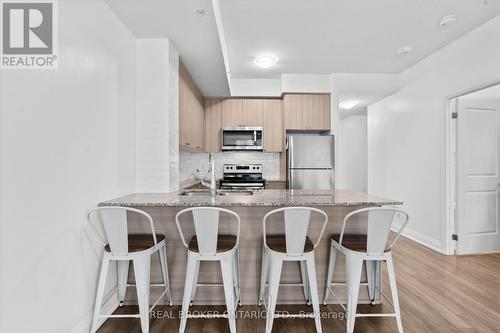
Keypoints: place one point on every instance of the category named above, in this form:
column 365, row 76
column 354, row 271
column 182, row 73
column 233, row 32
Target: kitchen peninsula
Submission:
column 251, row 208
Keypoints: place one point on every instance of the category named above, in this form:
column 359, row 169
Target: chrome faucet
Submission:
column 211, row 168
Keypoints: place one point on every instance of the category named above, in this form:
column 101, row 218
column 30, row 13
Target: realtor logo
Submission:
column 28, row 32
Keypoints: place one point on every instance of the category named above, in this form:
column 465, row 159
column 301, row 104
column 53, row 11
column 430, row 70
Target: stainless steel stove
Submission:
column 242, row 177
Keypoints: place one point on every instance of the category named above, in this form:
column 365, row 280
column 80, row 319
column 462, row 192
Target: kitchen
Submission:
column 248, row 134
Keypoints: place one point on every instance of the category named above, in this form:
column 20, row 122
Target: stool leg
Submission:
column 311, row 272
column 142, row 266
column 188, row 285
column 263, row 275
column 164, row 271
column 101, row 284
column 394, row 291
column 236, row 266
column 122, row 272
column 228, row 280
column 354, row 267
column 275, row 265
column 331, row 270
column 371, row 275
column 305, row 282
column 195, row 282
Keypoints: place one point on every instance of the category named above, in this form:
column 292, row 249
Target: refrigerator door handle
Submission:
column 327, row 168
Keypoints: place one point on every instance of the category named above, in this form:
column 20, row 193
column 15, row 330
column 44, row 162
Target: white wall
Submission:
column 67, row 141
column 305, row 83
column 353, row 153
column 407, row 131
column 157, row 116
column 287, row 83
column 256, row 87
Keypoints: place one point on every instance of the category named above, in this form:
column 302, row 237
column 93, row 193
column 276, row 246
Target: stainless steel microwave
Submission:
column 242, row 138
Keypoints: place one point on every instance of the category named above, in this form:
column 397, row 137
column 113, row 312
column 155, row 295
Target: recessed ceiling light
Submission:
column 347, row 105
column 266, row 61
column 200, row 12
column 447, row 20
column 404, row 50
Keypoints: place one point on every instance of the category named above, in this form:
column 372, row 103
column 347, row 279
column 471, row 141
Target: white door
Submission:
column 478, row 157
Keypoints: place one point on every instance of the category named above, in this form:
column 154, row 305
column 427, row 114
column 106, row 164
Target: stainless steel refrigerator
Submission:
column 310, row 161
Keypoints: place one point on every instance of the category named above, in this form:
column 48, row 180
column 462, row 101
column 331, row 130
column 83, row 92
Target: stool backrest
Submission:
column 297, row 222
column 206, row 224
column 115, row 224
column 379, row 221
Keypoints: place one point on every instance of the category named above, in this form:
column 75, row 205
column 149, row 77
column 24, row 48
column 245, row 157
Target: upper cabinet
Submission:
column 272, row 120
column 201, row 120
column 252, row 112
column 306, row 111
column 191, row 113
column 213, row 121
column 238, row 112
column 318, row 111
column 232, row 112
column 295, row 111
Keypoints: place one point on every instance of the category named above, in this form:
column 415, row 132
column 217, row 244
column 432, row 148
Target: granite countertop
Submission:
column 259, row 198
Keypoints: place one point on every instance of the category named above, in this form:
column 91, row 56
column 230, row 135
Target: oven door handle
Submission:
column 242, row 184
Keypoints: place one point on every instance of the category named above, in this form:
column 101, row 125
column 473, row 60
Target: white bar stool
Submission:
column 208, row 245
column 370, row 248
column 123, row 247
column 294, row 245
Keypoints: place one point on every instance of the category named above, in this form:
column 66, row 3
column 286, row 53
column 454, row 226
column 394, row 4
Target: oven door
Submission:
column 242, row 138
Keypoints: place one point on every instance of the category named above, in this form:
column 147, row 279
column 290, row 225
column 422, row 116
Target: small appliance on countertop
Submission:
column 242, row 177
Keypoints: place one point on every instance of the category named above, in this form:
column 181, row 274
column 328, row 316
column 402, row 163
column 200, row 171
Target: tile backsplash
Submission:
column 189, row 162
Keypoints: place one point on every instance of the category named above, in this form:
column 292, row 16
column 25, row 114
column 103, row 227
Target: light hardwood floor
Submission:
column 437, row 294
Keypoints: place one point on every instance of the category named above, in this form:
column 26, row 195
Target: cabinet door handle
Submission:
column 188, row 144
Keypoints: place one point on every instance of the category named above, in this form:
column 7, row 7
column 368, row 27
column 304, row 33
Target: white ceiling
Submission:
column 308, row 36
column 342, row 36
column 364, row 88
column 195, row 37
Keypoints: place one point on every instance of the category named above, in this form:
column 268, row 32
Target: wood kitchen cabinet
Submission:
column 241, row 112
column 232, row 112
column 213, row 124
column 294, row 111
column 306, row 111
column 275, row 116
column 251, row 112
column 272, row 120
column 318, row 111
column 191, row 113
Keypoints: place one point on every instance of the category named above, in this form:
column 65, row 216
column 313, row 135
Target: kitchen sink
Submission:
column 235, row 192
column 195, row 192
column 190, row 192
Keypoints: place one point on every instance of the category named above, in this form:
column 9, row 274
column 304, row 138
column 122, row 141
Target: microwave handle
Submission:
column 255, row 136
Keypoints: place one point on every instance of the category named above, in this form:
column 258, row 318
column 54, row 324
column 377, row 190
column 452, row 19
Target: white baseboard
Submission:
column 108, row 308
column 421, row 239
